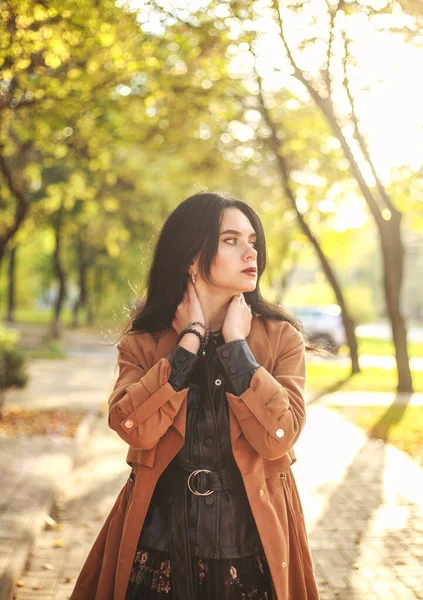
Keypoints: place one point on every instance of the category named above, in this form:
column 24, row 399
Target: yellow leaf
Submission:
column 74, row 73
column 7, row 75
column 23, row 63
column 40, row 14
column 59, row 543
column 110, row 204
column 106, row 39
column 51, row 60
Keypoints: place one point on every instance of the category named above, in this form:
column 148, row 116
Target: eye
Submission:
column 230, row 239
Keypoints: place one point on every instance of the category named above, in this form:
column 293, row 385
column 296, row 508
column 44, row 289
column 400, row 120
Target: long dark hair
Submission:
column 192, row 228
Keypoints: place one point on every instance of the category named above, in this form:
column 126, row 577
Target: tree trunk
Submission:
column 56, row 326
column 21, row 210
column 11, row 291
column 393, row 263
column 347, row 319
column 92, row 314
column 82, row 281
column 392, row 256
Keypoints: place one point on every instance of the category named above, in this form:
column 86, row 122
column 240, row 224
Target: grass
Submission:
column 402, row 426
column 379, row 347
column 321, row 377
column 44, row 317
column 50, row 350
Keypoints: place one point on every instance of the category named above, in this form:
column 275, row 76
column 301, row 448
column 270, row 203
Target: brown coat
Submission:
column 150, row 416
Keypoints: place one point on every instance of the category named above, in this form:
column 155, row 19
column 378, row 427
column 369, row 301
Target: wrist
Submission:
column 190, row 342
column 231, row 337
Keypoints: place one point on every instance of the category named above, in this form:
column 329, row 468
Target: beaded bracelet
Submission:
column 195, row 332
column 206, row 329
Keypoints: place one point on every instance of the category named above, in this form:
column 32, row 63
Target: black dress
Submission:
column 203, row 547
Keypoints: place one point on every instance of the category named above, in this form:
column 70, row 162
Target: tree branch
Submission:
column 332, row 16
column 357, row 133
column 326, row 106
column 22, row 204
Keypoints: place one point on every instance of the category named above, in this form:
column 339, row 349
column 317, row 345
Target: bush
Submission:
column 12, row 365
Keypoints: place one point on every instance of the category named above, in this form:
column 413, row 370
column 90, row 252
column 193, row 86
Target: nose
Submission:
column 250, row 253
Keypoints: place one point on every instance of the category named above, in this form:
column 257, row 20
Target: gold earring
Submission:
column 193, row 277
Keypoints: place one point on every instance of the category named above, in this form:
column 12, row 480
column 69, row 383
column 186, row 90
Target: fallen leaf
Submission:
column 20, row 583
column 59, row 544
column 50, row 522
column 48, row 567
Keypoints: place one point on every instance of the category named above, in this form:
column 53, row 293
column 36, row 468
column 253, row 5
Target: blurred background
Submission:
column 113, row 112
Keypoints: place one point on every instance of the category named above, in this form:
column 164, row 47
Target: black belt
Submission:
column 183, row 481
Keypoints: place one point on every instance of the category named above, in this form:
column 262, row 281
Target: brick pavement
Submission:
column 362, row 501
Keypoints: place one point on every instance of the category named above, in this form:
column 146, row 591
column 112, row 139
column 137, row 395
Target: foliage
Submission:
column 114, row 116
column 12, row 364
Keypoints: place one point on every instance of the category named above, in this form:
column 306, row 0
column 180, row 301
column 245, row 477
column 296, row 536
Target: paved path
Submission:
column 362, row 501
column 80, row 382
column 383, row 331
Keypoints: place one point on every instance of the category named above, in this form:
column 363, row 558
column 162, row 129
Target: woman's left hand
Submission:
column 237, row 323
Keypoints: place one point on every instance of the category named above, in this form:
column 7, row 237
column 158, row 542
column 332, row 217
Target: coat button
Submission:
column 261, row 492
column 225, row 353
column 284, row 564
column 280, row 433
column 129, row 424
column 218, row 382
column 208, row 500
column 233, row 369
column 209, row 442
column 182, row 358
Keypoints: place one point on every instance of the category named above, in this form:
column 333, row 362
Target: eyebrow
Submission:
column 235, row 232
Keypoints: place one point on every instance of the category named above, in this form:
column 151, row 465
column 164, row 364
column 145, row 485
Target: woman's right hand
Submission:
column 189, row 310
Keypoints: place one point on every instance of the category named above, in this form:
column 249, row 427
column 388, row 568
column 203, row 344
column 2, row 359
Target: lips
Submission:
column 250, row 271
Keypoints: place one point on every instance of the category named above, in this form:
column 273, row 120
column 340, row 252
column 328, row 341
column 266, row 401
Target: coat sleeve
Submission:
column 143, row 403
column 271, row 412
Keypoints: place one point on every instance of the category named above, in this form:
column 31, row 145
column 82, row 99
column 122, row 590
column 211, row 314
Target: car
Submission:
column 323, row 323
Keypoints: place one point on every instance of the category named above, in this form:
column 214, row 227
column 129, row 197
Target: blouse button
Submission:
column 233, row 370
column 209, row 442
column 129, row 423
column 225, row 353
column 261, row 492
column 218, row 382
column 208, row 500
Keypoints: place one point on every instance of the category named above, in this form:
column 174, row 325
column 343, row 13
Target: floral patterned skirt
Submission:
column 246, row 578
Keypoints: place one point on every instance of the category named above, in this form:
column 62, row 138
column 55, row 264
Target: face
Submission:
column 236, row 253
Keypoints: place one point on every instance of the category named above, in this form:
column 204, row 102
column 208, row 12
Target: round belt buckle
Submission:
column 195, row 491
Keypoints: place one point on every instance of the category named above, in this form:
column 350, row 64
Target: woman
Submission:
column 209, row 399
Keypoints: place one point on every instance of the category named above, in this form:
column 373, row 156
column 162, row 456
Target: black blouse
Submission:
column 219, row 525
